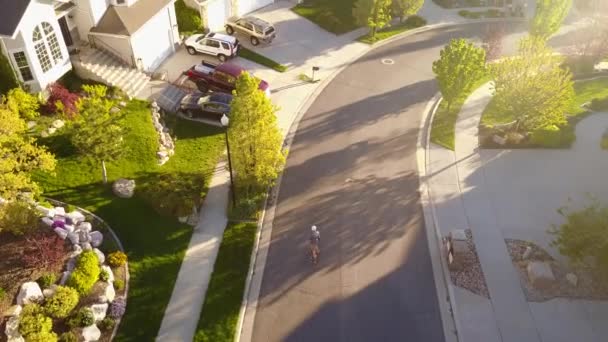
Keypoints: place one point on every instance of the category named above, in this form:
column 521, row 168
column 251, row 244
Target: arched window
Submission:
column 45, row 40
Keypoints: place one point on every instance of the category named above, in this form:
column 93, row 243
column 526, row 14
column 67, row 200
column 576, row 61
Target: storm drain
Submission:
column 387, row 61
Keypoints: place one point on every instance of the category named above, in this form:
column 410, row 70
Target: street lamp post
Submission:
column 225, row 121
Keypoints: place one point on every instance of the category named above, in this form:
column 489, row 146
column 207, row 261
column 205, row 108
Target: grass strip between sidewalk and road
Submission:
column 444, row 121
column 262, row 60
column 220, row 313
column 387, row 32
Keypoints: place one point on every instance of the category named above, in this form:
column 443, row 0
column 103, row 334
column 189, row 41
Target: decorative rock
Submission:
column 110, row 273
column 44, row 134
column 540, row 274
column 572, row 279
column 73, row 237
column 76, row 216
column 48, row 221
column 14, row 310
column 51, row 130
column 50, row 292
column 99, row 311
column 31, row 124
column 83, row 237
column 64, row 277
column 76, row 251
column 29, row 293
column 59, row 211
column 516, row 137
column 100, row 256
column 527, row 253
column 124, row 188
column 86, row 246
column 122, row 103
column 499, row 140
column 48, row 212
column 84, row 227
column 96, row 238
column 114, row 110
column 58, row 124
column 162, row 154
column 108, row 294
column 69, row 228
column 91, row 333
column 71, row 264
column 58, row 223
column 62, row 233
column 12, row 330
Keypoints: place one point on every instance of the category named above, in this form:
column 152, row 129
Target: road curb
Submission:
column 256, row 271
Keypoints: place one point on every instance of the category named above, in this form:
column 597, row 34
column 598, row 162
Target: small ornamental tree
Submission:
column 460, row 66
column 406, row 8
column 255, row 138
column 374, row 14
column 532, row 88
column 549, row 17
column 97, row 132
column 61, row 101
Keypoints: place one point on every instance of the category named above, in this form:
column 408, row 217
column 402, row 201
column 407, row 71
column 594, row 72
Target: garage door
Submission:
column 217, row 12
column 246, row 6
column 153, row 42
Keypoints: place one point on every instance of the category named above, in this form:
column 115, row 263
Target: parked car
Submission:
column 204, row 106
column 219, row 78
column 215, row 44
column 256, row 29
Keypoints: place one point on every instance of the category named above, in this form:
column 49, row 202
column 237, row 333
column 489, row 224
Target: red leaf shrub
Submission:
column 61, row 101
column 44, row 251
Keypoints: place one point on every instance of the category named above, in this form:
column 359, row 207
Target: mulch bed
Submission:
column 589, row 286
column 471, row 276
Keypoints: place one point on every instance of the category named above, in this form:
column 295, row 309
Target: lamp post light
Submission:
column 225, row 121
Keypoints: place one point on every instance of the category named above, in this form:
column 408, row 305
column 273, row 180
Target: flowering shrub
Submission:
column 118, row 307
column 117, row 259
column 86, row 273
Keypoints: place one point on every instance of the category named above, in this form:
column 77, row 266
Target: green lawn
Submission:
column 390, row 31
column 442, row 128
column 333, row 16
column 220, row 312
column 154, row 243
column 262, row 60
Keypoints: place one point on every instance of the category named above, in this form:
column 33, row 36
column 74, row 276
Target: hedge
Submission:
column 188, row 19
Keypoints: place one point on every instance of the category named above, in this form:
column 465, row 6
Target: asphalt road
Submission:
column 352, row 172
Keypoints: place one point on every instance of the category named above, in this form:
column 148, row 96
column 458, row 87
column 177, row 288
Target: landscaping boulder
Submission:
column 48, row 221
column 108, row 294
column 48, row 212
column 124, row 188
column 110, row 273
column 51, row 130
column 96, row 238
column 44, row 134
column 70, row 228
column 73, row 237
column 100, row 256
column 99, row 311
column 114, row 110
column 76, row 250
column 59, row 211
column 31, row 124
column 58, row 123
column 50, row 292
column 499, row 140
column 62, row 233
column 540, row 274
column 12, row 330
column 83, row 237
column 86, row 246
column 84, row 227
column 64, row 277
column 30, row 292
column 91, row 333
column 76, row 216
column 14, row 310
column 70, row 265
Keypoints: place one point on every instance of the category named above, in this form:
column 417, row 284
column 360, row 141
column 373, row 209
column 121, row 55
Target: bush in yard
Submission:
column 599, row 105
column 118, row 307
column 43, row 336
column 82, row 318
column 119, row 284
column 173, row 194
column 415, row 21
column 24, row 103
column 107, row 324
column 61, row 102
column 584, row 236
column 104, row 275
column 47, row 280
column 86, row 273
column 33, row 321
column 62, row 302
column 7, row 75
column 549, row 136
column 405, row 8
column 188, row 19
column 117, row 259
column 44, row 250
column 68, row 337
column 19, row 218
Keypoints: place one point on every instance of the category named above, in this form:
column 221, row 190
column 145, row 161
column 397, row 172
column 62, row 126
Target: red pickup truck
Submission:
column 221, row 78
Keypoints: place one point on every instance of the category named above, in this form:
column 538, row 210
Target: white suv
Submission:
column 215, row 44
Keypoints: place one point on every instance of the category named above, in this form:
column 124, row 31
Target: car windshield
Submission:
column 203, row 100
column 221, row 98
column 269, row 30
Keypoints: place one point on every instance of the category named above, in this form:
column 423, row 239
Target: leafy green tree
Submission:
column 20, row 155
column 255, row 138
column 97, row 133
column 374, row 14
column 24, row 103
column 532, row 88
column 8, row 80
column 405, row 8
column 549, row 17
column 460, row 66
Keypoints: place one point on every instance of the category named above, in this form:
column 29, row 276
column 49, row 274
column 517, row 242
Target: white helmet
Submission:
column 313, row 228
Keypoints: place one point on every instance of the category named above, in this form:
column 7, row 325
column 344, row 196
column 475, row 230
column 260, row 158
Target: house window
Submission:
column 23, row 66
column 45, row 40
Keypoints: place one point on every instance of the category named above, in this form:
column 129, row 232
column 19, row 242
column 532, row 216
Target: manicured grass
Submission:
column 390, row 31
column 220, row 313
column 262, row 60
column 587, row 91
column 443, row 126
column 333, row 16
column 490, row 13
column 154, row 243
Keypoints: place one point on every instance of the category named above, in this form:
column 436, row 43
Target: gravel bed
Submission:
column 589, row 285
column 471, row 276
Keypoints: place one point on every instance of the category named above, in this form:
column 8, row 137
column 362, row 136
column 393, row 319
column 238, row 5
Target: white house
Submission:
column 38, row 36
column 215, row 12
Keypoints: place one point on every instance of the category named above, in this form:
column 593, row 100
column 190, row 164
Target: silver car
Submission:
column 257, row 29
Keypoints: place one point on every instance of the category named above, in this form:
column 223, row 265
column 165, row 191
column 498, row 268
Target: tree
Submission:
column 549, row 17
column 8, row 80
column 532, row 87
column 492, row 41
column 97, row 133
column 374, row 14
column 20, row 156
column 24, row 103
column 405, row 8
column 255, row 139
column 460, row 66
